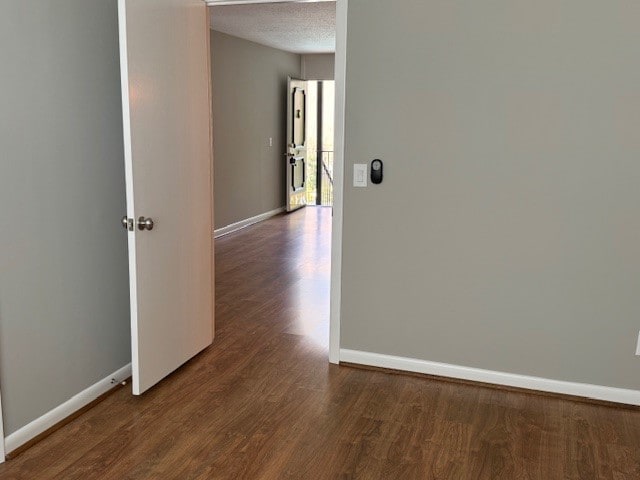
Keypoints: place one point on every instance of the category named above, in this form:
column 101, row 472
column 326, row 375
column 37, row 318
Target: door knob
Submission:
column 145, row 223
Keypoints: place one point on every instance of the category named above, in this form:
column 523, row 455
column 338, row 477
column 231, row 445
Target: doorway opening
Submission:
column 320, row 128
column 273, row 137
column 274, row 96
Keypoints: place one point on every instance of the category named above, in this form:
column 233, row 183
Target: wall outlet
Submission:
column 638, row 345
column 271, row 141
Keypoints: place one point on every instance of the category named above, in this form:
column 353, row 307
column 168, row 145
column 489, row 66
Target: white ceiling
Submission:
column 293, row 27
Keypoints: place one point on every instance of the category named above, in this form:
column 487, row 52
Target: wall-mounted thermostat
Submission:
column 376, row 171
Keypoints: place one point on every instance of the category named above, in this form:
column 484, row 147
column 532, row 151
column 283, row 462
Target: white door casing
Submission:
column 164, row 53
column 342, row 8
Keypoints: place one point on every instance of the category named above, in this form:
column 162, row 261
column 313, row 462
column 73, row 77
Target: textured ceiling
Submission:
column 294, row 27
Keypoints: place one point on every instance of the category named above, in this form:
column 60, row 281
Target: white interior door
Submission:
column 296, row 154
column 164, row 48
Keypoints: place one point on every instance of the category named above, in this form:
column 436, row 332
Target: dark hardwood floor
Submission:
column 263, row 402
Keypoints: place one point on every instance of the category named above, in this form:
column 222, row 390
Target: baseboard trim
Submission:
column 234, row 227
column 53, row 417
column 593, row 392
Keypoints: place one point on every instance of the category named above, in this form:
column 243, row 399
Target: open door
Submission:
column 164, row 54
column 296, row 154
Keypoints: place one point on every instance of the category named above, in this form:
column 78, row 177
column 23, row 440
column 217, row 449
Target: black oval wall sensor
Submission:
column 376, row 171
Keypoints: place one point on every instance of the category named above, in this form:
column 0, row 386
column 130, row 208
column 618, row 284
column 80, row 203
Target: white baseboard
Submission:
column 245, row 223
column 597, row 392
column 75, row 403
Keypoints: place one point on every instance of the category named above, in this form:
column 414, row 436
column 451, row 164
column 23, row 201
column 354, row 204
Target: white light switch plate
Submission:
column 360, row 174
column 638, row 346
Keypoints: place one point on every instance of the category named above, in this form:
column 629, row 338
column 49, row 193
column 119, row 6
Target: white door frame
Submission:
column 338, row 163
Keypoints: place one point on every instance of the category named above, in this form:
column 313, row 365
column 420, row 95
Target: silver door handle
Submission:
column 145, row 223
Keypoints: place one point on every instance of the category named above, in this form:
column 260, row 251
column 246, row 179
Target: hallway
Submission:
column 273, row 279
column 264, row 403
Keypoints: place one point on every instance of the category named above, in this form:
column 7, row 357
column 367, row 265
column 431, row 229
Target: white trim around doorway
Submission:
column 338, row 178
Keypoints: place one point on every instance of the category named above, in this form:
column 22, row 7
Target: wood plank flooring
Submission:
column 263, row 402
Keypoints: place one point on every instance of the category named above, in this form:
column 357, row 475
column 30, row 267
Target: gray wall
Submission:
column 506, row 234
column 64, row 315
column 320, row 66
column 249, row 105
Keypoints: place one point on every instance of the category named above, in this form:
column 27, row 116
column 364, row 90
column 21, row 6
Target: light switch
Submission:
column 360, row 174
